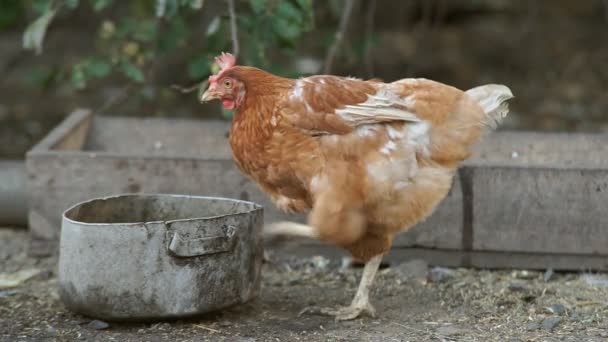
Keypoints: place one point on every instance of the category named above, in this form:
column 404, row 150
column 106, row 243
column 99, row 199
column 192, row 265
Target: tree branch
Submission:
column 189, row 89
column 343, row 26
column 233, row 29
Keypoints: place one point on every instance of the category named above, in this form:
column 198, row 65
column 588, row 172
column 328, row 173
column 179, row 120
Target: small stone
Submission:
column 163, row 326
column 548, row 275
column 574, row 316
column 524, row 274
column 8, row 293
column 79, row 321
column 51, row 332
column 550, row 323
column 320, row 262
column 98, row 325
column 557, row 309
column 517, row 287
column 413, row 269
column 531, row 326
column 440, row 274
column 596, row 280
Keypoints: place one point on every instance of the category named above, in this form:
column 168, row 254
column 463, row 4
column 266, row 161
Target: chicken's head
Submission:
column 227, row 89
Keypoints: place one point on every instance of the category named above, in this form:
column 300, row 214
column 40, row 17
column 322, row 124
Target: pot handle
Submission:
column 186, row 248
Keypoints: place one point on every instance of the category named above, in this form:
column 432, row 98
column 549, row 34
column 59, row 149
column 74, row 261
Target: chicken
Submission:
column 365, row 159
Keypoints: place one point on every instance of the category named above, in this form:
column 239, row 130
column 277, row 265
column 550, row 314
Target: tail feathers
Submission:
column 290, row 228
column 493, row 100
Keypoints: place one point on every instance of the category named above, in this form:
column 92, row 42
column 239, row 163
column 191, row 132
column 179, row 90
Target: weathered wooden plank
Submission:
column 183, row 138
column 540, row 210
column 454, row 258
column 13, row 202
column 544, row 150
column 70, row 178
column 68, row 135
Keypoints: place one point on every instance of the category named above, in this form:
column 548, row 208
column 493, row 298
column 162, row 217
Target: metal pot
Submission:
column 142, row 257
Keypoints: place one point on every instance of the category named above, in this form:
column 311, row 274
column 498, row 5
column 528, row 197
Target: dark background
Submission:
column 553, row 54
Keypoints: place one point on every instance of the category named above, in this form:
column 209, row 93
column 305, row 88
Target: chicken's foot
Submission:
column 360, row 303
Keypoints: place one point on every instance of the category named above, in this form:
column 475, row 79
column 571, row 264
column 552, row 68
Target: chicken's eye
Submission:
column 227, row 84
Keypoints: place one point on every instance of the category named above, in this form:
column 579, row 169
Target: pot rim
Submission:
column 255, row 207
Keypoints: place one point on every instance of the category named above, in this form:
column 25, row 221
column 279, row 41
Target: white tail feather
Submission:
column 290, row 228
column 493, row 100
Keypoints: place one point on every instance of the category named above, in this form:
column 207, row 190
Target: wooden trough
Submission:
column 525, row 200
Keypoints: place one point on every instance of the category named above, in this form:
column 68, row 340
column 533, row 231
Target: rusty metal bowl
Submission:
column 149, row 257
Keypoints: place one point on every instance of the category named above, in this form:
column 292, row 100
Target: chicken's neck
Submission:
column 251, row 131
column 251, row 125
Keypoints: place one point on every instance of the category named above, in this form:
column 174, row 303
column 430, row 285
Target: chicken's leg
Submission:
column 361, row 302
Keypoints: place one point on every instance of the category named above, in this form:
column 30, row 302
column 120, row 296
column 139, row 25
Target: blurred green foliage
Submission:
column 10, row 12
column 132, row 36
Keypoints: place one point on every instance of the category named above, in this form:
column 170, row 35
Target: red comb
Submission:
column 225, row 61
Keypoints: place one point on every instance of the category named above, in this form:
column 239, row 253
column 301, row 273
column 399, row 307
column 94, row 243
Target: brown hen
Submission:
column 366, row 159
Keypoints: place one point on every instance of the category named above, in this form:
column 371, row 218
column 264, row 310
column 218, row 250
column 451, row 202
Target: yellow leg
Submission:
column 360, row 303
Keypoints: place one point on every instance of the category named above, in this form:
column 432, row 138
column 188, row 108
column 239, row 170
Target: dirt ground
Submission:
column 414, row 304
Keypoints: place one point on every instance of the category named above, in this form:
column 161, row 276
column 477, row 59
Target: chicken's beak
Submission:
column 209, row 94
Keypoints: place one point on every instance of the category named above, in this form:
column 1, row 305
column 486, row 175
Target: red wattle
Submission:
column 228, row 104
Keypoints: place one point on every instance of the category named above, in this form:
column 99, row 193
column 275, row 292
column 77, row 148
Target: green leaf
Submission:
column 214, row 68
column 40, row 76
column 286, row 29
column 308, row 14
column 99, row 5
column 288, row 11
column 10, row 14
column 79, row 80
column 42, row 6
column 126, row 26
column 98, row 68
column 171, row 9
column 71, row 4
column 287, row 22
column 34, row 34
column 196, row 4
column 214, row 25
column 175, row 36
column 305, row 4
column 145, row 30
column 199, row 67
column 258, row 6
column 132, row 71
